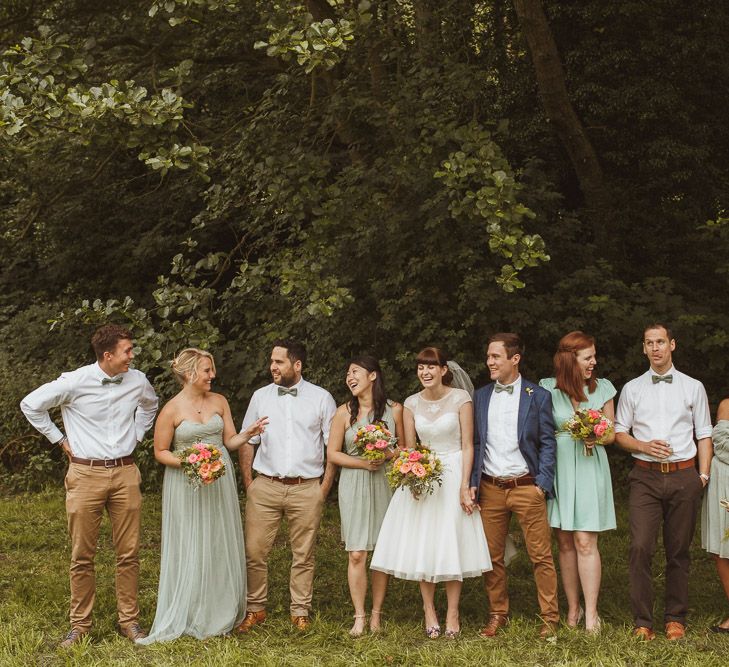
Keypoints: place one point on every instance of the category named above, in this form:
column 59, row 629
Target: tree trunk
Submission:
column 556, row 101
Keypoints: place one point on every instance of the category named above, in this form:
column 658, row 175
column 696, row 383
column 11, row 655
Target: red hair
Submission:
column 567, row 372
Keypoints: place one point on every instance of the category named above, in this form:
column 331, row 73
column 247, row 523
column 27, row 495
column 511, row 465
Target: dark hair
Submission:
column 106, row 337
column 379, row 396
column 434, row 356
column 567, row 372
column 659, row 325
column 512, row 343
column 295, row 350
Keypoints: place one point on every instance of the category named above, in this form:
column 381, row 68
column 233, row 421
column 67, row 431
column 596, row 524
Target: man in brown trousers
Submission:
column 664, row 410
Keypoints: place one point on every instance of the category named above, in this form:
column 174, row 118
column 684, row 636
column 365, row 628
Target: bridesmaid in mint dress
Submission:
column 583, row 503
column 202, row 586
column 364, row 493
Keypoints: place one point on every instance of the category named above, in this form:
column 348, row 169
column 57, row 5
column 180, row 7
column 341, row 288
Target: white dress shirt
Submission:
column 298, row 428
column 675, row 412
column 502, row 457
column 102, row 421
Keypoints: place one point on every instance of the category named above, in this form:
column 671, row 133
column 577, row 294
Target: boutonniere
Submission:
column 529, row 391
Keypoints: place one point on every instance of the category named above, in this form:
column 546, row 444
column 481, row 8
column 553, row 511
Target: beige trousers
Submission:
column 530, row 508
column 267, row 502
column 88, row 492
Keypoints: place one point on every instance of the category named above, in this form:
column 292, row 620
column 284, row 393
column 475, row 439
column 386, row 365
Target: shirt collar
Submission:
column 516, row 384
column 670, row 371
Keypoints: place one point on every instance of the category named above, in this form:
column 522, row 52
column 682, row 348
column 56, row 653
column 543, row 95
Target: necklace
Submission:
column 202, row 401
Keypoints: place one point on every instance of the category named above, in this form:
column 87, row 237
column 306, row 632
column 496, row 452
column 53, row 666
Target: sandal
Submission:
column 354, row 633
column 433, row 632
column 379, row 616
column 452, row 634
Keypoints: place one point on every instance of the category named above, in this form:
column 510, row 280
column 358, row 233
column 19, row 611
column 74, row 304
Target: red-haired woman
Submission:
column 583, row 502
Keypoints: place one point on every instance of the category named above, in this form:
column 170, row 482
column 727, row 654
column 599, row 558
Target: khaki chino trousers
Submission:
column 267, row 503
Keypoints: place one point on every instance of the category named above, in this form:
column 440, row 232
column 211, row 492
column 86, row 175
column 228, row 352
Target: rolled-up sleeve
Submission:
column 329, row 407
column 250, row 417
column 35, row 406
column 148, row 404
column 624, row 413
column 702, row 415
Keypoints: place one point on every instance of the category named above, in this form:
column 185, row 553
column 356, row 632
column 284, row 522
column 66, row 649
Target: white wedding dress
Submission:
column 432, row 538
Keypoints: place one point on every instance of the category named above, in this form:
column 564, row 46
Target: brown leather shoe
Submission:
column 547, row 630
column 74, row 636
column 252, row 619
column 495, row 622
column 301, row 622
column 675, row 630
column 133, row 631
column 644, row 634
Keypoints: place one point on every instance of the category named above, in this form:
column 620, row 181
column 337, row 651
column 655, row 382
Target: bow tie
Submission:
column 662, row 378
column 116, row 380
column 508, row 388
column 282, row 391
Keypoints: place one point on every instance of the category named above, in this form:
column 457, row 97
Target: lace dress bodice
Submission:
column 437, row 422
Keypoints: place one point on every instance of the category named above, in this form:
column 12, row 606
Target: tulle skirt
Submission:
column 432, row 538
column 202, row 583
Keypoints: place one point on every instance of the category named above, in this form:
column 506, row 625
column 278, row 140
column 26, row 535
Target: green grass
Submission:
column 34, row 559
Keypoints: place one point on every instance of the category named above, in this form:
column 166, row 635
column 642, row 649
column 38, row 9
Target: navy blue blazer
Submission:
column 537, row 442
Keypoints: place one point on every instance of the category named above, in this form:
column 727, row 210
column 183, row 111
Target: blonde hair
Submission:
column 184, row 365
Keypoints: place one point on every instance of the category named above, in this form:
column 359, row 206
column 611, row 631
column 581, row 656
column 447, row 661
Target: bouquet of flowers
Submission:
column 590, row 426
column 373, row 440
column 418, row 469
column 201, row 463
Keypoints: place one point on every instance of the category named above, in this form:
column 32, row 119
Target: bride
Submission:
column 202, row 585
column 438, row 537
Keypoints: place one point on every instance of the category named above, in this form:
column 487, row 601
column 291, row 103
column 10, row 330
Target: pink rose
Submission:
column 418, row 470
column 600, row 429
column 593, row 414
column 199, row 445
column 206, row 453
column 381, row 444
column 405, row 467
column 369, row 446
column 370, row 427
column 205, row 470
column 415, row 456
column 192, row 458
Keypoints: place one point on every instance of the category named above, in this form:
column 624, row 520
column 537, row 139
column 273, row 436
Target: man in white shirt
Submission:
column 665, row 410
column 291, row 480
column 513, row 472
column 106, row 409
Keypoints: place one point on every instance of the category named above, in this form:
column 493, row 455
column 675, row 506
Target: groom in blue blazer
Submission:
column 513, row 472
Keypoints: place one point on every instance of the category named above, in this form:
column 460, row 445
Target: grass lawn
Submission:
column 34, row 559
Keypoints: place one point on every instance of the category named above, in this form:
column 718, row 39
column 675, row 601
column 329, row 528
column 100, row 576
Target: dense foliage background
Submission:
column 364, row 175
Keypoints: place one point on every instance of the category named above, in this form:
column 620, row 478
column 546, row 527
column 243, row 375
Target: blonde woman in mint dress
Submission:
column 202, row 584
column 364, row 493
column 583, row 503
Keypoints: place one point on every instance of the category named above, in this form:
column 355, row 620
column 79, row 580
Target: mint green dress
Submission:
column 363, row 494
column 714, row 518
column 202, row 579
column 582, row 485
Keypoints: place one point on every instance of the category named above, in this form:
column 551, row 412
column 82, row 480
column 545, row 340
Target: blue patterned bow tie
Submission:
column 282, row 391
column 662, row 378
column 508, row 388
column 116, row 380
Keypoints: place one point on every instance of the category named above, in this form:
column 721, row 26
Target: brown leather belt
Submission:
column 104, row 463
column 288, row 480
column 508, row 482
column 665, row 466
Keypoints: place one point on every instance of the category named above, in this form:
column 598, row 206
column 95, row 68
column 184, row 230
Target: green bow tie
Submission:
column 662, row 378
column 508, row 388
column 116, row 380
column 282, row 391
